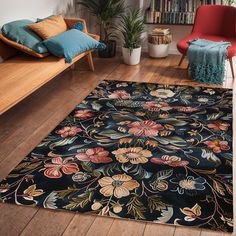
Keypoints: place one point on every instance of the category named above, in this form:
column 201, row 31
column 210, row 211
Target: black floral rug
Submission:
column 139, row 151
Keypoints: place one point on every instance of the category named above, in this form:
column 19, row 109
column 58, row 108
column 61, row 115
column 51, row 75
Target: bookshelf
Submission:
column 174, row 12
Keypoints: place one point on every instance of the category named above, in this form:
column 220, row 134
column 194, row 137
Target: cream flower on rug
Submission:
column 31, row 192
column 117, row 185
column 134, row 155
column 162, row 93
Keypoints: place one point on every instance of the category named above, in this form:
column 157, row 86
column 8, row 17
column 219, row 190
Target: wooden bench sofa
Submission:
column 21, row 75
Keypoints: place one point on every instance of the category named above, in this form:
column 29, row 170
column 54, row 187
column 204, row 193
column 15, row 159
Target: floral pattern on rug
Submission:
column 140, row 151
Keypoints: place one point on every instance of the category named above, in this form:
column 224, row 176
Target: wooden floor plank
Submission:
column 209, row 233
column 126, row 227
column 184, row 231
column 13, row 219
column 158, row 230
column 48, row 223
column 100, row 226
column 79, row 225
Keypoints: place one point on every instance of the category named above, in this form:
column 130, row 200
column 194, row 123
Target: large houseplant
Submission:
column 230, row 2
column 132, row 27
column 107, row 13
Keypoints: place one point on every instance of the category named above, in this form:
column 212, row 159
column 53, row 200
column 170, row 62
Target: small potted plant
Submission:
column 107, row 13
column 132, row 27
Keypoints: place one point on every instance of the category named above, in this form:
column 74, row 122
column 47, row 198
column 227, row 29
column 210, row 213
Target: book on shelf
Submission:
column 175, row 11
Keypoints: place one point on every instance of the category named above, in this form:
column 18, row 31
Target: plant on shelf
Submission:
column 108, row 13
column 132, row 27
column 230, row 2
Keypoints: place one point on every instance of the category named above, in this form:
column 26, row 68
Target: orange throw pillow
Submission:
column 22, row 47
column 49, row 27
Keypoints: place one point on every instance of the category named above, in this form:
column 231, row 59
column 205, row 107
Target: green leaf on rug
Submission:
column 155, row 204
column 215, row 116
column 62, row 194
column 136, row 208
column 62, row 142
column 113, row 134
column 80, row 201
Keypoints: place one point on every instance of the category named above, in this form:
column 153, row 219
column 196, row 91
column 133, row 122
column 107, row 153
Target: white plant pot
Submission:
column 132, row 58
column 158, row 51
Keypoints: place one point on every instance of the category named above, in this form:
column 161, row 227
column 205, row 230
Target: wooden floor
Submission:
column 25, row 125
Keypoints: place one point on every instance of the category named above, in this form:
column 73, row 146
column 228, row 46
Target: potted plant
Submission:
column 230, row 2
column 108, row 13
column 132, row 27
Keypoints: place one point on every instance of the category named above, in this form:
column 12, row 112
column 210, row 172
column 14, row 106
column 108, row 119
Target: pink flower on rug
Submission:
column 217, row 146
column 157, row 106
column 218, row 125
column 59, row 166
column 84, row 114
column 119, row 94
column 68, row 131
column 186, row 109
column 95, row 155
column 147, row 128
column 172, row 161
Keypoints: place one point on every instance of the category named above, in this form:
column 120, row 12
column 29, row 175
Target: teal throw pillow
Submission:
column 19, row 32
column 71, row 43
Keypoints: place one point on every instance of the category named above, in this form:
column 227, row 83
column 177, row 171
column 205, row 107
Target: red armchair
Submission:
column 215, row 23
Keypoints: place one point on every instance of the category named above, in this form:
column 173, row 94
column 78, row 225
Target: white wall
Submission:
column 31, row 9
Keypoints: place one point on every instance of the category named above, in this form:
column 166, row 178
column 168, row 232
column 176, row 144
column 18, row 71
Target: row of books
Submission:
column 170, row 17
column 180, row 5
column 175, row 11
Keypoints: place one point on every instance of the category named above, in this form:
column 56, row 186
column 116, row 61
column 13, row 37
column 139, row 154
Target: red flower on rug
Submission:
column 68, row 131
column 218, row 125
column 186, row 109
column 59, row 166
column 84, row 114
column 95, row 155
column 157, row 106
column 119, row 94
column 217, row 146
column 147, row 128
column 172, row 161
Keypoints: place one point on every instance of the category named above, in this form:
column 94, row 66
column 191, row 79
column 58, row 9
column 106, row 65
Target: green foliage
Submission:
column 155, row 204
column 136, row 208
column 107, row 13
column 66, row 193
column 80, row 201
column 230, row 2
column 132, row 27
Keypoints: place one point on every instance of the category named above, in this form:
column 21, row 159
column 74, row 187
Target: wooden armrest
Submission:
column 95, row 36
column 71, row 21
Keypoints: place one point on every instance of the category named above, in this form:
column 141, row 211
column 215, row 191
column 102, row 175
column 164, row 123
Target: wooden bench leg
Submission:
column 232, row 67
column 181, row 60
column 90, row 61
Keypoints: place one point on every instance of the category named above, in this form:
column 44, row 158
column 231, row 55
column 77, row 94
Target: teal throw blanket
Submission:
column 207, row 60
